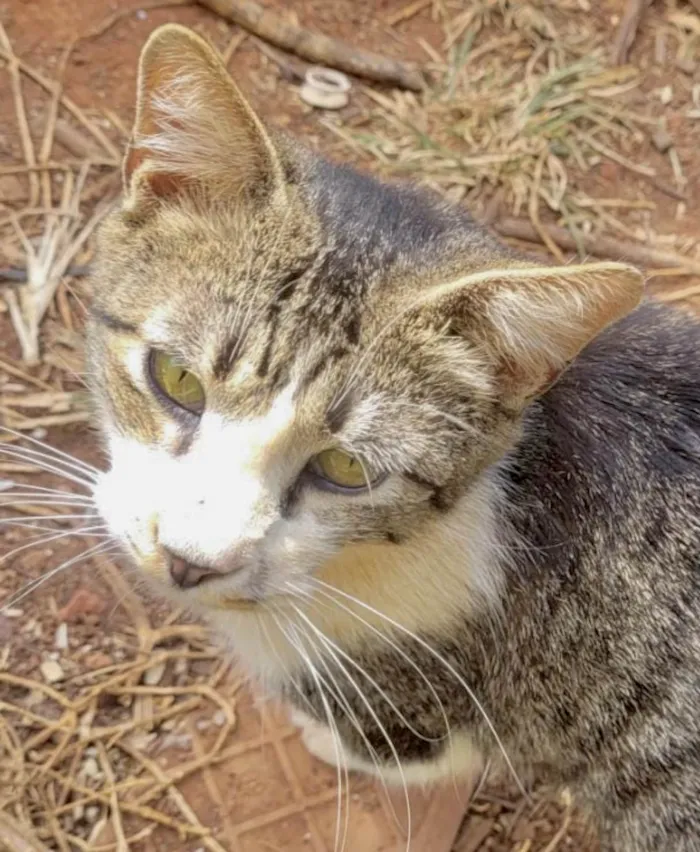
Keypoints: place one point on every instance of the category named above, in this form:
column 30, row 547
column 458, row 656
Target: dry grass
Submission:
column 83, row 748
column 525, row 103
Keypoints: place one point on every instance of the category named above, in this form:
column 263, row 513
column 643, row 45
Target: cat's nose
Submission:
column 187, row 575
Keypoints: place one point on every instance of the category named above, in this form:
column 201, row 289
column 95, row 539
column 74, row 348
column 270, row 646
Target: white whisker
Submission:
column 88, row 468
column 450, row 668
column 336, row 691
column 40, row 461
column 327, row 645
column 402, row 718
column 397, row 648
column 55, row 536
column 102, row 547
column 341, row 761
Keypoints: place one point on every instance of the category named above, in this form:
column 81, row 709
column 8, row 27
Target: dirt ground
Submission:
column 123, row 727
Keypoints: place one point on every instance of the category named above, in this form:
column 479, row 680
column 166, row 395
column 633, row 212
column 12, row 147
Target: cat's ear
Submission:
column 532, row 322
column 194, row 130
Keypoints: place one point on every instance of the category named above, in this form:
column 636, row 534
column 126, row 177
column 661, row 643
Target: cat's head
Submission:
column 299, row 370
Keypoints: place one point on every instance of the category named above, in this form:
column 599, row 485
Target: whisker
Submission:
column 12, row 498
column 55, row 536
column 39, row 489
column 450, row 668
column 20, row 518
column 102, row 547
column 402, row 718
column 326, row 643
column 337, row 693
column 397, row 648
column 88, row 468
column 341, row 760
column 24, row 454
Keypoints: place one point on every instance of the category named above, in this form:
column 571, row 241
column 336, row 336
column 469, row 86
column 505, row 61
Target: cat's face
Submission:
column 298, row 371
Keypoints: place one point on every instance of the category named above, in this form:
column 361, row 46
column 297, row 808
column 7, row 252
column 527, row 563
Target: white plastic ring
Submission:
column 325, row 88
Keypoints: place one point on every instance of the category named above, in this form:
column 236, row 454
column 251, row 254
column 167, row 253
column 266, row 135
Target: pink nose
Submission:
column 186, row 574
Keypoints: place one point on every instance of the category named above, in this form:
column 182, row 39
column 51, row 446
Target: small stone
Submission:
column 666, row 95
column 661, row 139
column 183, row 742
column 203, row 724
column 92, row 812
column 61, row 639
column 90, row 769
column 39, row 433
column 6, row 484
column 219, row 718
column 13, row 612
column 141, row 15
column 51, row 671
column 98, row 660
column 154, row 675
column 82, row 602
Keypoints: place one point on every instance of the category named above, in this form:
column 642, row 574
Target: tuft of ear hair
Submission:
column 532, row 322
column 194, row 130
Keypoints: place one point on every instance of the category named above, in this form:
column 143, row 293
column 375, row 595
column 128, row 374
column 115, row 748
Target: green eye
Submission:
column 340, row 469
column 177, row 383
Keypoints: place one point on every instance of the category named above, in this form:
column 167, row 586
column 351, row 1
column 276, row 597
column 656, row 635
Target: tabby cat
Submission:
column 442, row 499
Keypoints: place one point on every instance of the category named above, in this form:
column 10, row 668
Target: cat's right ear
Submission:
column 194, row 131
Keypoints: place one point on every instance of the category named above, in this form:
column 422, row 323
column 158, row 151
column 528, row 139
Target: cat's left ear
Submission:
column 194, row 131
column 531, row 322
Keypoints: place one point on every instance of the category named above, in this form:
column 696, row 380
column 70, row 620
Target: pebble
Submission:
column 661, row 139
column 90, row 769
column 51, row 671
column 154, row 675
column 92, row 812
column 6, row 484
column 61, row 639
column 13, row 612
column 219, row 718
column 82, row 602
column 183, row 742
column 98, row 660
column 666, row 95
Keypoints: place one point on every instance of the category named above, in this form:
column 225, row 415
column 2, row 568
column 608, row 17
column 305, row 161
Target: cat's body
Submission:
column 521, row 568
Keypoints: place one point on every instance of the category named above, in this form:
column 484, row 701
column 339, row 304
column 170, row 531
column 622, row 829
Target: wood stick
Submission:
column 315, row 47
column 600, row 246
column 627, row 31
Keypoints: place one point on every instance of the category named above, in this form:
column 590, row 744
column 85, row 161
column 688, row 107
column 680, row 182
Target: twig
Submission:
column 680, row 295
column 627, row 31
column 16, row 837
column 14, row 67
column 291, row 69
column 315, row 47
column 600, row 246
column 407, row 12
column 77, row 113
column 18, row 275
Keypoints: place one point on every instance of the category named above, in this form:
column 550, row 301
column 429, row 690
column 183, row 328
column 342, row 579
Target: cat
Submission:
column 441, row 498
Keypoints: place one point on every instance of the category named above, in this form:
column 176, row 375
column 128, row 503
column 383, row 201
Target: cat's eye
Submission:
column 174, row 381
column 342, row 470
